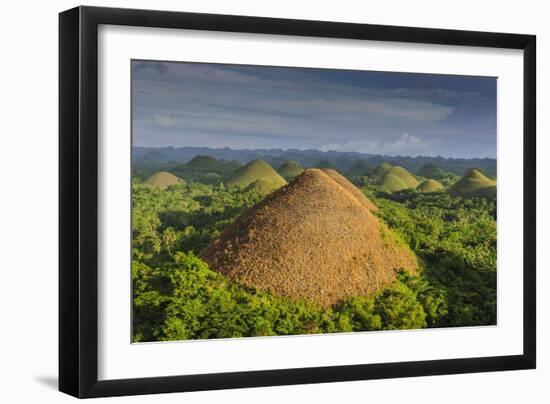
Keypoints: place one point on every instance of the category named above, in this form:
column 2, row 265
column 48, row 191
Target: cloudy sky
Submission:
column 247, row 107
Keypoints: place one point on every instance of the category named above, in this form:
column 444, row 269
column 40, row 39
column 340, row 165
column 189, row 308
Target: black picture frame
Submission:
column 78, row 201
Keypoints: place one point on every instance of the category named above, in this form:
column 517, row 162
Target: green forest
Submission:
column 177, row 296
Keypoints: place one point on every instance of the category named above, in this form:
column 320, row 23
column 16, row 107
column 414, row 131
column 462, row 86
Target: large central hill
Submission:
column 313, row 239
column 352, row 189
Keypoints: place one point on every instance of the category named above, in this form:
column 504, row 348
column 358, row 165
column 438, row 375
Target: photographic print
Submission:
column 271, row 201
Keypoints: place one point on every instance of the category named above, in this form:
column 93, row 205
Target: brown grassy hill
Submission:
column 352, row 189
column 313, row 240
column 163, row 179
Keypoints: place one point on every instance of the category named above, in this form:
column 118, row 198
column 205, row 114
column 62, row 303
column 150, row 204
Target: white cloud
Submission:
column 405, row 145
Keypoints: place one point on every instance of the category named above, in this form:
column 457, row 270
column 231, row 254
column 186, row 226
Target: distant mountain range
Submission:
column 170, row 156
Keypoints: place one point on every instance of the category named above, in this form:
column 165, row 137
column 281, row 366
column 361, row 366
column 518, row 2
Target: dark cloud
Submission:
column 193, row 104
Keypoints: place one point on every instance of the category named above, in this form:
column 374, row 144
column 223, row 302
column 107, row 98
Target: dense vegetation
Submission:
column 176, row 295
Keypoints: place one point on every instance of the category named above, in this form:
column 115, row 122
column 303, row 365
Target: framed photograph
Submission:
column 251, row 201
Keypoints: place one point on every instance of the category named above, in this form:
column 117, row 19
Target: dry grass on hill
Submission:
column 352, row 189
column 312, row 239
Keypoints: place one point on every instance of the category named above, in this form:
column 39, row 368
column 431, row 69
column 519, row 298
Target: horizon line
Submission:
column 318, row 150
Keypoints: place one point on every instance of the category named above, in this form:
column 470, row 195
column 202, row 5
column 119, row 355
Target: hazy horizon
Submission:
column 177, row 104
column 316, row 150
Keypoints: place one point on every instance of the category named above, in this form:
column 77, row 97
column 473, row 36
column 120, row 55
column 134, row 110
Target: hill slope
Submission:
column 263, row 187
column 311, row 239
column 398, row 178
column 429, row 186
column 433, row 171
column 352, row 189
column 163, row 179
column 254, row 171
column 290, row 169
column 381, row 169
column 474, row 183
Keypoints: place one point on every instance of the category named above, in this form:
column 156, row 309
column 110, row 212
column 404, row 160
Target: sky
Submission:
column 259, row 107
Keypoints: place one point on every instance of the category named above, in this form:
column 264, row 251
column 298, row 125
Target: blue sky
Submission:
column 249, row 107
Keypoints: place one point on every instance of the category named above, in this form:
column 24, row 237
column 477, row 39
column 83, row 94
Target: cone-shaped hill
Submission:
column 254, row 171
column 397, row 178
column 352, row 189
column 429, row 186
column 163, row 179
column 310, row 240
column 381, row 169
column 203, row 162
column 290, row 169
column 474, row 183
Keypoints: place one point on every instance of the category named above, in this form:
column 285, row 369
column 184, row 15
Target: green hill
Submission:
column 203, row 162
column 398, row 178
column 474, row 183
column 254, row 171
column 433, row 171
column 263, row 187
column 429, row 186
column 381, row 169
column 392, row 182
column 206, row 169
column 360, row 167
column 163, row 179
column 290, row 169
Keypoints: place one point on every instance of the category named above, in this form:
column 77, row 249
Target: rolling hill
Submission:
column 429, row 186
column 290, row 169
column 474, row 183
column 254, row 171
column 433, row 171
column 263, row 187
column 206, row 169
column 397, row 179
column 381, row 169
column 163, row 179
column 312, row 239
